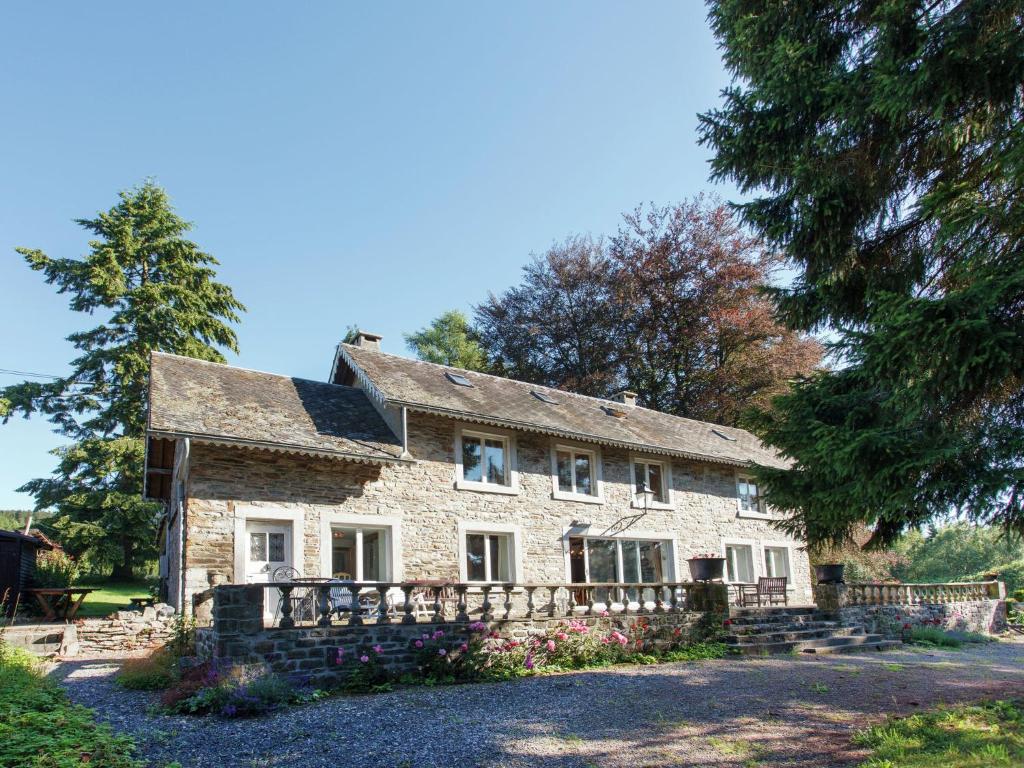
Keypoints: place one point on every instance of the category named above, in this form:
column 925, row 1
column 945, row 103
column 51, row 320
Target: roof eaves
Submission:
column 382, row 458
column 580, row 436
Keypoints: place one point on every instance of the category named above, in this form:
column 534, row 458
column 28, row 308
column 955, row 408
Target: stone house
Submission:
column 396, row 469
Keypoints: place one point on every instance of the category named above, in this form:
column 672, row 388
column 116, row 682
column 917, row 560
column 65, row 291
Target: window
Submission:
column 739, row 563
column 266, row 547
column 749, row 497
column 576, row 473
column 543, row 397
column 653, row 475
column 484, row 462
column 360, row 553
column 776, row 561
column 458, row 378
column 489, row 557
column 595, row 560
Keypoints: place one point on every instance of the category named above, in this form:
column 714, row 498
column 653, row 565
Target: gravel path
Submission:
column 781, row 711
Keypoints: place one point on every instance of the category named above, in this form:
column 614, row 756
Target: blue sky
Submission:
column 373, row 164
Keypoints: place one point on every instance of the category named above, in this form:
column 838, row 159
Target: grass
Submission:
column 939, row 638
column 111, row 596
column 981, row 736
column 40, row 728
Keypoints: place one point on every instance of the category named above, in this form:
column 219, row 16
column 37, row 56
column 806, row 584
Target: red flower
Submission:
column 727, row 623
column 906, row 626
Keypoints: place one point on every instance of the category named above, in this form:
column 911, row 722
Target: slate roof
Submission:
column 424, row 387
column 210, row 402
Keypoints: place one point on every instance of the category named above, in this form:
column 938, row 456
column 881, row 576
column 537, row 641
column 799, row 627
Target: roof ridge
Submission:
column 251, row 370
column 602, row 400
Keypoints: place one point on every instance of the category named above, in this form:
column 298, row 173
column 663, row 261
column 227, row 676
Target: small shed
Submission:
column 17, row 565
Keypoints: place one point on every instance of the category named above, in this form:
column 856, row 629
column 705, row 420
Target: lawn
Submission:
column 983, row 736
column 111, row 596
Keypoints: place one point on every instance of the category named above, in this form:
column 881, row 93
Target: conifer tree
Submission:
column 153, row 290
column 886, row 142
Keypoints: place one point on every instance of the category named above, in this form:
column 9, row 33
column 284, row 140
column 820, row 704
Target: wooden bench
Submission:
column 770, row 590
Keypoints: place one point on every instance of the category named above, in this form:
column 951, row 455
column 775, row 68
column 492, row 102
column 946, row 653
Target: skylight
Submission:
column 458, row 378
column 724, row 436
column 544, row 397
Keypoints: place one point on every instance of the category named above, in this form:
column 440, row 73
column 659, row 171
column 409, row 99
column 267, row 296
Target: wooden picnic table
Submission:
column 60, row 603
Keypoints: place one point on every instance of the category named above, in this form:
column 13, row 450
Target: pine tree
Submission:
column 887, row 140
column 448, row 340
column 156, row 291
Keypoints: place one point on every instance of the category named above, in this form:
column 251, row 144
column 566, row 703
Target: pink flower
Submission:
column 464, row 647
column 419, row 643
column 477, row 626
column 442, row 652
column 562, row 636
column 727, row 623
column 378, row 649
column 364, row 659
column 551, row 646
column 604, row 613
column 437, row 635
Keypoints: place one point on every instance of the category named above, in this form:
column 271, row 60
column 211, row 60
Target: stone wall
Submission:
column 977, row 614
column 425, row 509
column 124, row 631
column 238, row 636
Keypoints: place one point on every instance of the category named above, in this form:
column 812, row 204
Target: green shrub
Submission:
column 944, row 638
column 149, row 673
column 229, row 691
column 39, row 728
column 55, row 570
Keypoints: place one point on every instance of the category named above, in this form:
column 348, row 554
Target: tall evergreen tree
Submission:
column 448, row 340
column 887, row 140
column 156, row 291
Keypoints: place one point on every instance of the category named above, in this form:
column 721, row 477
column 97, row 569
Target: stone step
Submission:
column 793, row 635
column 875, row 645
column 762, row 629
column 40, row 639
column 741, row 621
column 820, row 645
column 766, row 610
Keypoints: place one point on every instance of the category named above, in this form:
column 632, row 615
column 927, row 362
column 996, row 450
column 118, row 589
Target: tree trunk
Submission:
column 125, row 571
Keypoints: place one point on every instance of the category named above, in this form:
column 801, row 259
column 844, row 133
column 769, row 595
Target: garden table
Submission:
column 58, row 603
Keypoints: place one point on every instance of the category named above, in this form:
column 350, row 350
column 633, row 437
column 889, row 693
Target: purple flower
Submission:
column 441, row 652
column 419, row 643
column 528, row 663
column 477, row 626
column 437, row 635
column 364, row 659
column 378, row 649
column 464, row 647
column 230, row 710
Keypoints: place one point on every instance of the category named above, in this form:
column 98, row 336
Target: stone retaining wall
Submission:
column 987, row 616
column 125, row 631
column 238, row 636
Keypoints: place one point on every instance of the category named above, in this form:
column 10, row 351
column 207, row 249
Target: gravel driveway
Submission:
column 781, row 711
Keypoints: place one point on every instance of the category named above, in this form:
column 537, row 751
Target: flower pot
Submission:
column 831, row 573
column 706, row 568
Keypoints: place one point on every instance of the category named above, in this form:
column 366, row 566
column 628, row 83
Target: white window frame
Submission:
column 585, row 532
column 636, row 500
column 511, row 466
column 597, row 478
column 756, row 562
column 789, row 547
column 328, row 520
column 740, row 511
column 467, row 527
column 246, row 512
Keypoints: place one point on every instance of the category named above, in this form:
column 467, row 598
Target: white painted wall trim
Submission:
column 472, row 526
column 246, row 512
column 394, row 549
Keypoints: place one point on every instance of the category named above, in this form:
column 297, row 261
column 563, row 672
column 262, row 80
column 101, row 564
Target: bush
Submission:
column 55, row 570
column 39, row 728
column 210, row 688
column 940, row 638
column 150, row 673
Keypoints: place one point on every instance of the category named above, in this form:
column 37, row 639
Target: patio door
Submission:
column 268, row 547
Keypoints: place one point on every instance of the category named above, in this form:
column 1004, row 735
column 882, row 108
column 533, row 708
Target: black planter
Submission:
column 829, row 574
column 706, row 568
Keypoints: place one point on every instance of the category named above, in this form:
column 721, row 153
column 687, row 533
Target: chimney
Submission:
column 625, row 397
column 368, row 340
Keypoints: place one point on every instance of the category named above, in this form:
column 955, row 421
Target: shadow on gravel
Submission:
column 792, row 711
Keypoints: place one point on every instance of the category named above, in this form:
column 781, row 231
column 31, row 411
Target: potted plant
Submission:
column 707, row 567
column 829, row 573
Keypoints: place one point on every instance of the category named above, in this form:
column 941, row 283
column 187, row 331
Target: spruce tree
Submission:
column 885, row 140
column 154, row 290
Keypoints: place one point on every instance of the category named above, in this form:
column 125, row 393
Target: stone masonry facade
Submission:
column 421, row 502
